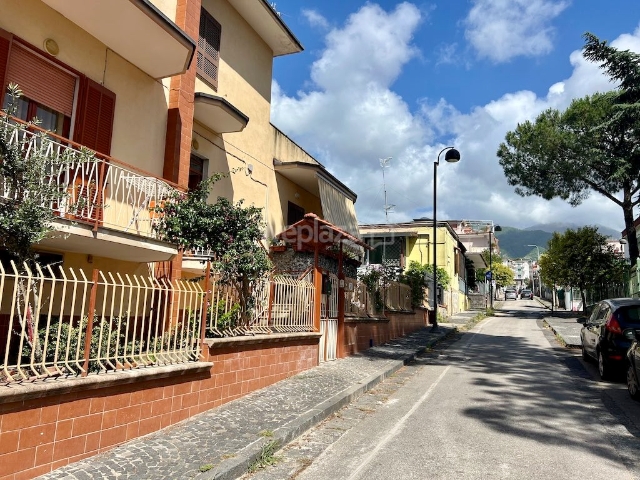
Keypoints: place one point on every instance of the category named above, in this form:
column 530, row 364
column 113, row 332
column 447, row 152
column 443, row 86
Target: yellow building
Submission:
column 398, row 244
column 179, row 90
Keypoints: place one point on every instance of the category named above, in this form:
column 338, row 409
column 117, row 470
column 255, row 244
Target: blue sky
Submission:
column 403, row 79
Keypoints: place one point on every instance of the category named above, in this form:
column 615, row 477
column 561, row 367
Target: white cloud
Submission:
column 351, row 117
column 315, row 19
column 503, row 29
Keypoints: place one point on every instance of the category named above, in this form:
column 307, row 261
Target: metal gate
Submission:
column 329, row 321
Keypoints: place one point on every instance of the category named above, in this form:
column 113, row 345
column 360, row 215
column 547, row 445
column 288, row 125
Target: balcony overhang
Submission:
column 477, row 259
column 134, row 29
column 268, row 24
column 307, row 174
column 80, row 238
column 217, row 114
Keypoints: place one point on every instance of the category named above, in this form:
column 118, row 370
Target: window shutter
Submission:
column 5, row 45
column 94, row 118
column 41, row 80
column 208, row 57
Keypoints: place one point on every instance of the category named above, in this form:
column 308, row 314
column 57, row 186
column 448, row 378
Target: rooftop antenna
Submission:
column 384, row 163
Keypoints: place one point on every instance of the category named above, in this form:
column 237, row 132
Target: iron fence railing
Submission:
column 280, row 304
column 359, row 301
column 95, row 189
column 59, row 322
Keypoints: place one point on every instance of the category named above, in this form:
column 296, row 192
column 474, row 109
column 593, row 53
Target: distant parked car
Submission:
column 602, row 334
column 633, row 356
column 526, row 294
column 510, row 295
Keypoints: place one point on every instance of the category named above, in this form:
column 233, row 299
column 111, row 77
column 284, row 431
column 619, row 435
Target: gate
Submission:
column 329, row 318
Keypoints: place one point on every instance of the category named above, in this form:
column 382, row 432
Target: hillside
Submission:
column 514, row 241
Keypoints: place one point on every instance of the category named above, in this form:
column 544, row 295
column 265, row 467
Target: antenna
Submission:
column 384, row 163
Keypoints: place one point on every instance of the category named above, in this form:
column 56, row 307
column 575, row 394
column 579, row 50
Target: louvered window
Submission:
column 209, row 49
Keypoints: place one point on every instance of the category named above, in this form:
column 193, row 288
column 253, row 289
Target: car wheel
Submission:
column 603, row 368
column 632, row 384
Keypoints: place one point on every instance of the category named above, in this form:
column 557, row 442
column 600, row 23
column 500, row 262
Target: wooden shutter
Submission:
column 94, row 116
column 41, row 80
column 5, row 46
column 208, row 57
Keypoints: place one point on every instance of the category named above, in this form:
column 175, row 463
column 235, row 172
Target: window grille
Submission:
column 208, row 49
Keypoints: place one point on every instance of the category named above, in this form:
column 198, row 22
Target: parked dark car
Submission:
column 633, row 370
column 602, row 334
column 510, row 294
column 526, row 294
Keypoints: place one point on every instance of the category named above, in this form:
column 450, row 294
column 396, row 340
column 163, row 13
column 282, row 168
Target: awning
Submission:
column 217, row 114
column 336, row 198
column 267, row 23
column 477, row 259
column 134, row 29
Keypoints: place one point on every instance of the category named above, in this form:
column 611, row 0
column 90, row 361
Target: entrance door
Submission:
column 329, row 320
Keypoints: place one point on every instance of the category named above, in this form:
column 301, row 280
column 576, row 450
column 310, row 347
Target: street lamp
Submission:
column 493, row 229
column 452, row 156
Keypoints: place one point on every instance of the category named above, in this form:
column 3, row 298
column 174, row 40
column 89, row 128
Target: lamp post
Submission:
column 452, row 156
column 533, row 276
column 493, row 229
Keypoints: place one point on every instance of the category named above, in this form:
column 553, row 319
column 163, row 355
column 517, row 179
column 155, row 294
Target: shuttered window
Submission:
column 49, row 86
column 208, row 49
column 40, row 80
column 94, row 120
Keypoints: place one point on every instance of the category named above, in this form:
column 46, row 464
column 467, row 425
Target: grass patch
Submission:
column 473, row 321
column 206, row 468
column 266, row 457
column 266, row 433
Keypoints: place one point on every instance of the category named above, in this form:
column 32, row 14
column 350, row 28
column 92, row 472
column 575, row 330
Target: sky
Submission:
column 407, row 79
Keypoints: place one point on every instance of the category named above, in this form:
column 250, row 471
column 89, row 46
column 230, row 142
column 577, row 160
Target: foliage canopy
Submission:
column 590, row 147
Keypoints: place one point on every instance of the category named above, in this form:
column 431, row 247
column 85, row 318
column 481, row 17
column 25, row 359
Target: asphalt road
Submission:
column 502, row 401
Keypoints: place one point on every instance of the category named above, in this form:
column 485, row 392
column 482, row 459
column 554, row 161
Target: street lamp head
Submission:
column 452, row 155
column 497, row 228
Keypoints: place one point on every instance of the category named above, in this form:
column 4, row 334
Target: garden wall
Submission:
column 362, row 333
column 46, row 427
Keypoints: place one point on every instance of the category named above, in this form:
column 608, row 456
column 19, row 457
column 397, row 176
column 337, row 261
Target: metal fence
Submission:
column 360, row 301
column 280, row 304
column 95, row 189
column 57, row 322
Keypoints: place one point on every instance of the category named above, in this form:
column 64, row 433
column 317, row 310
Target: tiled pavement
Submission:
column 223, row 442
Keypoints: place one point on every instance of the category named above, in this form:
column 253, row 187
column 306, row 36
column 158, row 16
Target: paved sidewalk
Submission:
column 223, row 442
column 564, row 324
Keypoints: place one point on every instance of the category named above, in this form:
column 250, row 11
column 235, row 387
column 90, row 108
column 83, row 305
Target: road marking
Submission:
column 396, row 429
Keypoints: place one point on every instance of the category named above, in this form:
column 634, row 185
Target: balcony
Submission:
column 134, row 29
column 109, row 207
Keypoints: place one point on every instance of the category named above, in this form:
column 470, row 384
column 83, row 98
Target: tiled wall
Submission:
column 360, row 334
column 39, row 435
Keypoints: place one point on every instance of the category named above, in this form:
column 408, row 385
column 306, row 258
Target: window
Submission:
column 386, row 250
column 295, row 213
column 208, row 57
column 49, row 88
column 196, row 171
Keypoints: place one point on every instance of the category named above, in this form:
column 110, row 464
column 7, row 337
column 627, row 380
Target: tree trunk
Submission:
column 632, row 242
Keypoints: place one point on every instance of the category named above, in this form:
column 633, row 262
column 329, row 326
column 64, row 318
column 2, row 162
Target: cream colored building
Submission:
column 401, row 243
column 179, row 90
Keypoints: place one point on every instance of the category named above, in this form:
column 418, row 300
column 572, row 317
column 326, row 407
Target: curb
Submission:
column 555, row 332
column 237, row 466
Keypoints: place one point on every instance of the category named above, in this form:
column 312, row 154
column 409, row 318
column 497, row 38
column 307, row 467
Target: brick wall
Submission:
column 361, row 333
column 42, row 434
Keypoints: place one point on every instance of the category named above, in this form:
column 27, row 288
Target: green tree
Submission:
column 581, row 258
column 29, row 190
column 414, row 277
column 231, row 233
column 590, row 147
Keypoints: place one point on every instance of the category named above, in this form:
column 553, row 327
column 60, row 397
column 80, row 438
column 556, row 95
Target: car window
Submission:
column 594, row 314
column 603, row 314
column 630, row 314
